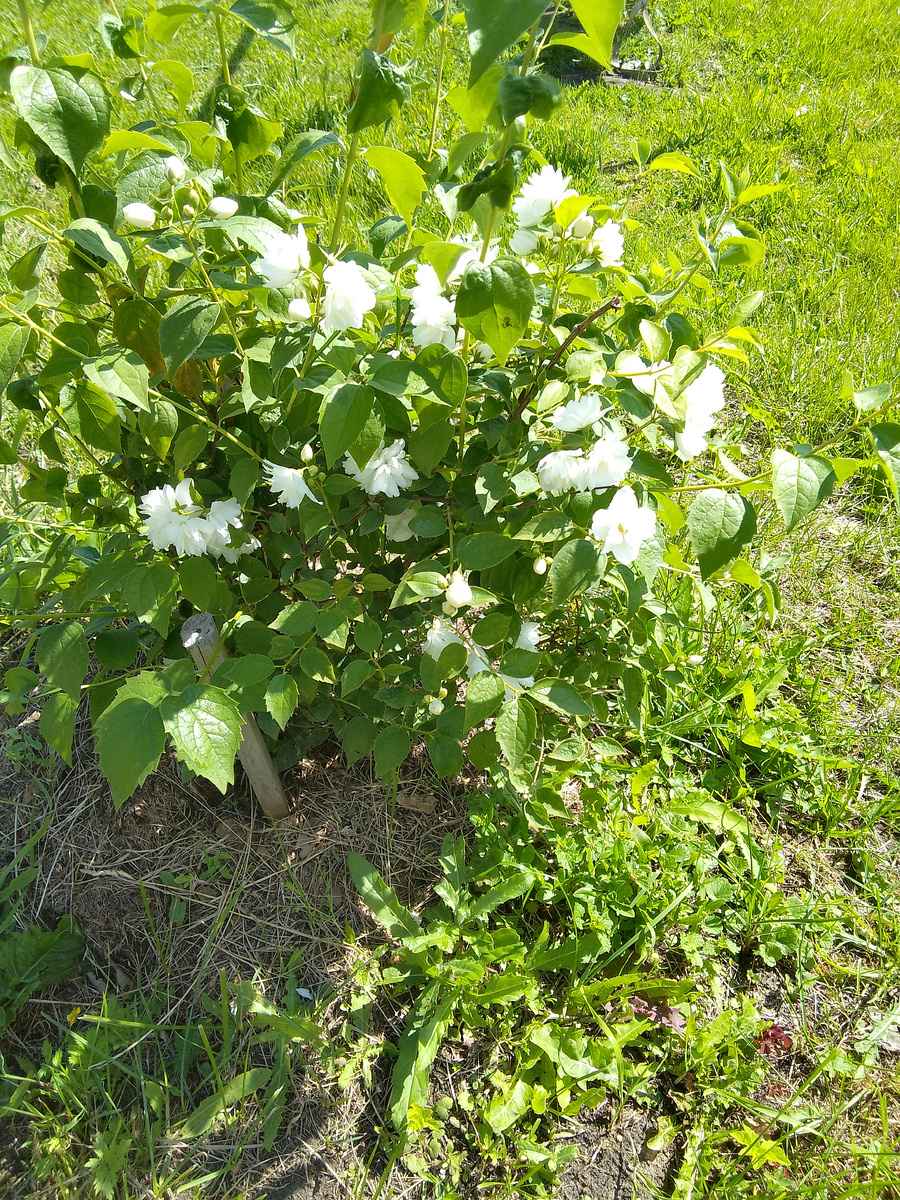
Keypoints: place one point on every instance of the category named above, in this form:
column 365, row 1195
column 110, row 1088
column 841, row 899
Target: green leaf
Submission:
column 34, row 958
column 419, row 1043
column 577, row 567
column 429, row 445
column 481, row 550
column 886, row 439
column 446, row 756
column 516, row 885
column 66, row 107
column 272, row 20
column 403, row 179
column 116, row 649
column 391, row 749
column 92, row 416
column 484, row 694
column 149, row 592
column 799, row 485
column 120, row 373
column 516, row 729
column 494, row 26
column 62, row 655
column 381, row 900
column 537, row 94
column 309, row 141
column 316, row 664
column 633, row 688
column 355, row 675
column 205, row 726
column 26, row 272
column 13, row 339
column 180, row 77
column 183, row 328
column 871, row 398
column 720, row 524
column 282, row 698
column 99, row 241
column 741, row 252
column 342, row 418
column 58, row 724
column 159, row 425
column 561, row 697
column 674, row 161
column 201, row 1120
column 495, row 302
column 358, row 738
column 400, row 14
column 188, row 445
column 600, row 19
column 381, row 91
column 508, row 1106
column 297, row 619
column 130, row 740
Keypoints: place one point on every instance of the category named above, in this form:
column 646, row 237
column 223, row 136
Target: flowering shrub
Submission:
column 445, row 481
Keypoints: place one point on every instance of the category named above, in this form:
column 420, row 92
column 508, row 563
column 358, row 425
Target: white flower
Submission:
column 348, row 297
column 289, row 485
column 607, row 462
column 472, row 251
column 529, row 637
column 541, row 193
column 176, row 168
column 704, row 399
column 540, row 566
column 438, row 638
column 386, row 472
column 477, row 662
column 562, row 470
column 223, row 516
column 581, row 228
column 524, row 241
column 397, row 528
column 222, row 207
column 436, row 707
column 139, row 216
column 578, row 414
column 433, row 315
column 623, row 527
column 232, row 553
column 299, row 310
column 173, row 519
column 608, row 245
column 647, row 382
column 458, row 593
column 287, row 254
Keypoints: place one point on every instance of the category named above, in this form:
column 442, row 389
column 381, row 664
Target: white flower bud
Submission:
column 540, row 566
column 222, row 207
column 695, row 660
column 299, row 310
column 458, row 592
column 176, row 169
column 582, row 228
column 188, row 211
column 436, row 707
column 557, row 230
column 307, row 454
column 139, row 216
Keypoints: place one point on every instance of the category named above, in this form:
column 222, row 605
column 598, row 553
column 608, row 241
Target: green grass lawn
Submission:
column 806, row 95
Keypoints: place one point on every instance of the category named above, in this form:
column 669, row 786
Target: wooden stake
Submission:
column 201, row 638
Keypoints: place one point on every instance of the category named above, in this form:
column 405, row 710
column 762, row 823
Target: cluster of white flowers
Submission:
column 386, row 472
column 286, row 255
column 289, row 485
column 433, row 315
column 441, row 635
column 348, row 297
column 173, row 518
column 578, row 413
column 605, row 465
column 541, row 193
column 703, row 398
column 623, row 527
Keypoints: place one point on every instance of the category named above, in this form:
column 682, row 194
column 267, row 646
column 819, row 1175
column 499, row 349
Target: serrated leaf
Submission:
column 516, row 729
column 381, row 900
column 799, row 485
column 494, row 26
column 130, row 739
column 58, row 724
column 720, row 524
column 62, row 655
column 205, row 726
column 34, row 958
column 282, row 698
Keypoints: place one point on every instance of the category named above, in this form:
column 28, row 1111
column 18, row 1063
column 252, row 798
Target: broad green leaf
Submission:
column 302, row 144
column 539, row 95
column 516, row 729
column 382, row 88
column 13, row 339
column 116, row 649
column 355, row 675
column 674, row 161
column 358, row 738
column 26, row 272
column 481, row 550
column 391, row 749
column 149, row 592
column 163, row 23
column 281, row 699
column 159, row 425
column 633, row 689
column 136, row 326
column 446, row 756
column 132, row 139
column 120, row 373
column 600, row 19
column 66, row 107
column 205, row 726
column 62, row 655
column 58, row 724
column 741, row 252
column 429, row 445
column 494, row 26
column 130, row 740
column 202, row 1119
column 342, row 418
column 720, row 524
column 272, row 20
column 495, row 302
column 97, row 240
column 886, row 439
column 92, row 416
column 577, row 567
column 297, row 619
column 510, row 889
column 188, row 445
column 508, row 1106
column 403, row 179
column 183, row 328
column 799, row 485
column 316, row 664
column 561, row 697
column 872, row 398
column 180, row 77
column 400, row 14
column 484, row 694
column 381, row 900
column 35, row 958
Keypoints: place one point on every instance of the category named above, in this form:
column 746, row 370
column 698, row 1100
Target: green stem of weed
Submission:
column 445, row 26
column 352, row 153
column 25, row 14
